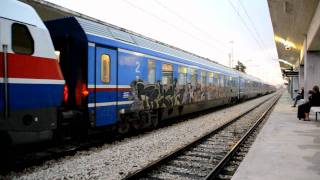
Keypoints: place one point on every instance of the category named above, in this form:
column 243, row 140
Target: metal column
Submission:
column 5, row 81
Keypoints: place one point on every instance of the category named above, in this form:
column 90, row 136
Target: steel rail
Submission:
column 218, row 169
column 143, row 171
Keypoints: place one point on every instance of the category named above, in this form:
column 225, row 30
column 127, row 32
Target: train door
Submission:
column 105, row 86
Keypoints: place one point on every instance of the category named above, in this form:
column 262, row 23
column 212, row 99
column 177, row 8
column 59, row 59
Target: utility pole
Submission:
column 231, row 54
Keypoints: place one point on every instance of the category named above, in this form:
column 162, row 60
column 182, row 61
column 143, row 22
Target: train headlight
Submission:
column 57, row 55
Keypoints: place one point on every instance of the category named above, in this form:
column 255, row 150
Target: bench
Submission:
column 315, row 110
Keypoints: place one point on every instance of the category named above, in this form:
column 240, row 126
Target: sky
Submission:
column 215, row 29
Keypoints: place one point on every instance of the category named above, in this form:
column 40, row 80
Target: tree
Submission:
column 240, row 67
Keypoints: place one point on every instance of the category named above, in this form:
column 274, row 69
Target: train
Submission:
column 73, row 76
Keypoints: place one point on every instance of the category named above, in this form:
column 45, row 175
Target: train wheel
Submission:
column 123, row 127
column 136, row 124
column 143, row 121
column 154, row 121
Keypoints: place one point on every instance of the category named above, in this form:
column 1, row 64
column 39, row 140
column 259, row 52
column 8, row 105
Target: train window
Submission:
column 210, row 78
column 105, row 68
column 203, row 78
column 216, row 79
column 167, row 74
column 221, row 80
column 226, row 81
column 151, row 71
column 182, row 77
column 193, row 76
column 22, row 41
column 231, row 81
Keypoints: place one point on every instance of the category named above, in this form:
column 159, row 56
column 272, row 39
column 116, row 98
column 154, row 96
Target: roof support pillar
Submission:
column 301, row 76
column 311, row 70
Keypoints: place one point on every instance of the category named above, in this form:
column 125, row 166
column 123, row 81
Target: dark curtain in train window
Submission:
column 151, row 72
column 22, row 41
column 167, row 74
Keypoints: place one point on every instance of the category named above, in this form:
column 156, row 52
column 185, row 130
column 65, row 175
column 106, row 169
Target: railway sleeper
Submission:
column 164, row 175
column 180, row 163
column 229, row 170
column 186, row 172
column 223, row 177
column 190, row 167
column 199, row 154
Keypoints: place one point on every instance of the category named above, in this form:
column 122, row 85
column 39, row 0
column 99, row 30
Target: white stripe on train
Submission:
column 32, row 81
column 108, row 86
column 101, row 104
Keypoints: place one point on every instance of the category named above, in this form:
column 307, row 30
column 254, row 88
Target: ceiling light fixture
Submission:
column 288, row 45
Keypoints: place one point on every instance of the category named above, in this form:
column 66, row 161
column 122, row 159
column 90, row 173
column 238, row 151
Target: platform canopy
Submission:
column 296, row 28
column 49, row 11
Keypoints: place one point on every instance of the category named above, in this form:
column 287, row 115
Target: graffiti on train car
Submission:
column 152, row 96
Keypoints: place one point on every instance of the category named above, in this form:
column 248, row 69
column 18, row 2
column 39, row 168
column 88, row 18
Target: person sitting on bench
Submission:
column 314, row 100
column 298, row 97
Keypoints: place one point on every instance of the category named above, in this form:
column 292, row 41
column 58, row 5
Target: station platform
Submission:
column 285, row 148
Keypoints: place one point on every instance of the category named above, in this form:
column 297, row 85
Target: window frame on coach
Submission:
column 27, row 36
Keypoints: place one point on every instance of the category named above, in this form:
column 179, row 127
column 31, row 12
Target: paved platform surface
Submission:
column 285, row 148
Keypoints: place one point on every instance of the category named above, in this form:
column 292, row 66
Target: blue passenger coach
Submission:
column 118, row 78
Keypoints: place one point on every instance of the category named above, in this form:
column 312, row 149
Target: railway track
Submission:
column 216, row 155
column 230, row 164
column 19, row 158
column 45, row 153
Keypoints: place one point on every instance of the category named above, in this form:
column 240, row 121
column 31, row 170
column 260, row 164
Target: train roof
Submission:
column 50, row 11
column 100, row 28
column 248, row 76
column 21, row 12
column 107, row 30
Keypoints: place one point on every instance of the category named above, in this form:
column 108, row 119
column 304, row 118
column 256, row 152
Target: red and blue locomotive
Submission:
column 31, row 82
column 104, row 77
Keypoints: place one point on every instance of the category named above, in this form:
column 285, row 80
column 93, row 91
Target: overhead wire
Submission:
column 173, row 25
column 257, row 39
column 190, row 23
column 248, row 29
column 245, row 24
column 253, row 25
column 251, row 22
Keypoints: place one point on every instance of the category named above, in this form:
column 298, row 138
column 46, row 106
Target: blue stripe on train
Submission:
column 30, row 96
column 106, row 115
column 108, row 97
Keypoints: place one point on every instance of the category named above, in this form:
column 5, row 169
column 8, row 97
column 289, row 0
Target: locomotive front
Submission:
column 31, row 83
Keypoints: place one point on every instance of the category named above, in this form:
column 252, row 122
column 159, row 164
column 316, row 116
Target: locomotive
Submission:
column 73, row 76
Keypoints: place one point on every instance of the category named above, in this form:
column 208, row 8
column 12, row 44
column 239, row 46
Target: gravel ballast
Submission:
column 116, row 160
